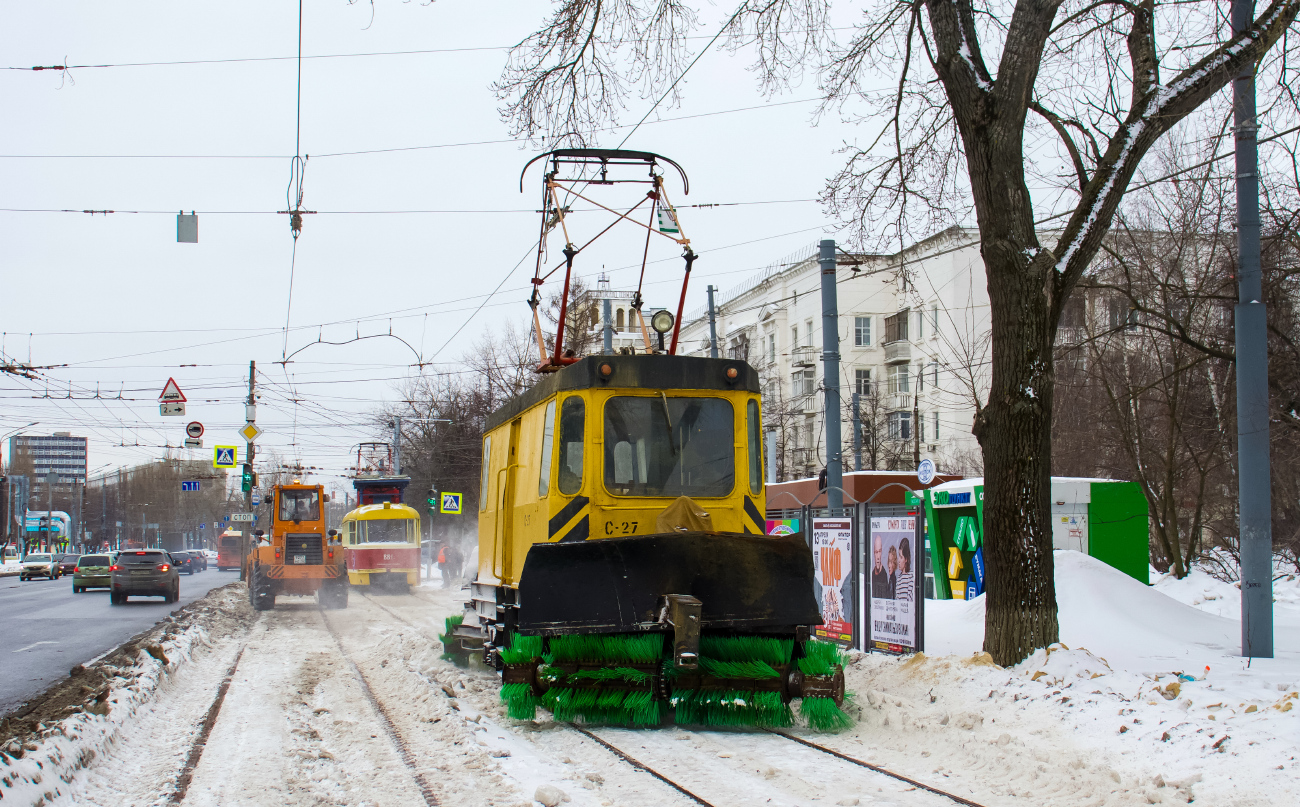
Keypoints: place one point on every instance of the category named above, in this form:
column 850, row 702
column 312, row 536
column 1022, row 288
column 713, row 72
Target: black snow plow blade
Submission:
column 617, row 585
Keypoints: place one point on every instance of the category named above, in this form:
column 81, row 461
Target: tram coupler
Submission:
column 682, row 612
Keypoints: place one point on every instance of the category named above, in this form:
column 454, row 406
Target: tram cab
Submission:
column 382, row 545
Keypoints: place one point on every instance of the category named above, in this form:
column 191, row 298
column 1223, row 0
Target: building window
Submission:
column 920, row 324
column 862, row 381
column 896, row 327
column 897, row 378
column 920, row 425
column 771, row 347
column 1121, row 314
column 920, row 378
column 934, row 374
column 935, row 418
column 934, row 320
column 794, row 337
column 862, row 331
column 618, row 321
column 900, row 425
column 803, row 382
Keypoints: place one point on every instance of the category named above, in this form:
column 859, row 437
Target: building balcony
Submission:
column 804, row 356
column 896, row 401
column 899, row 352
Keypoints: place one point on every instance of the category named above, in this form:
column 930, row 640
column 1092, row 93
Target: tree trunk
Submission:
column 1014, row 432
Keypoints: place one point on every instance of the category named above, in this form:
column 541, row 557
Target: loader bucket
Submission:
column 745, row 583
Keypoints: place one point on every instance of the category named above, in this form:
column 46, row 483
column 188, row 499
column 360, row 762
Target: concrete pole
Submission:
column 1253, row 476
column 250, row 453
column 397, row 446
column 831, row 376
column 713, row 327
column 857, row 432
column 607, row 327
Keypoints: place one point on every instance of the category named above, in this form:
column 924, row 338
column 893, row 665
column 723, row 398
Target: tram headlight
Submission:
column 662, row 321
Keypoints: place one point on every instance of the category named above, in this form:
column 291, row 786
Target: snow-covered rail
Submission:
column 403, row 750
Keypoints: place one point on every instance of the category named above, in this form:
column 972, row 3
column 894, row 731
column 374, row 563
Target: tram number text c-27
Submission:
column 620, row 528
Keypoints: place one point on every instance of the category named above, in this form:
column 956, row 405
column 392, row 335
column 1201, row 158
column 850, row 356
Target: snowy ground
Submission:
column 1101, row 720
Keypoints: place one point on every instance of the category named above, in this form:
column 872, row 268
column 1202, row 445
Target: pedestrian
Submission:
column 450, row 561
column 905, row 584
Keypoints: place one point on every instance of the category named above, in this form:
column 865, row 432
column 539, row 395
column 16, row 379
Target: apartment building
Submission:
column 913, row 340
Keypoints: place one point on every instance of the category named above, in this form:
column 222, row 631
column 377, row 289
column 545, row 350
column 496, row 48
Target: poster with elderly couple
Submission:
column 896, row 584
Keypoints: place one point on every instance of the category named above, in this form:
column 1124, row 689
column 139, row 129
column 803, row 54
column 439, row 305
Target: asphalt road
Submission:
column 46, row 630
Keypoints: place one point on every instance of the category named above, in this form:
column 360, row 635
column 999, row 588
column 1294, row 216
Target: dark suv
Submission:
column 145, row 572
column 68, row 563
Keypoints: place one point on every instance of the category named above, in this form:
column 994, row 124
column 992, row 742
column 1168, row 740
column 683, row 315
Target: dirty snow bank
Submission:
column 77, row 720
column 1108, row 717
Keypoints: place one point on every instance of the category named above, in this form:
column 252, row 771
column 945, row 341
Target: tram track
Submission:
column 385, row 720
column 197, row 747
column 685, row 791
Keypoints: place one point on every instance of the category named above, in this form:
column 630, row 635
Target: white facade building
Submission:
column 913, row 336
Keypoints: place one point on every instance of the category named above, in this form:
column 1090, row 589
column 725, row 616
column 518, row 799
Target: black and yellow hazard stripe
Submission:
column 754, row 521
column 572, row 522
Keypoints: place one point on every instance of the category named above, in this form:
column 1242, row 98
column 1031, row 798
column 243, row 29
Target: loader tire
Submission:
column 260, row 593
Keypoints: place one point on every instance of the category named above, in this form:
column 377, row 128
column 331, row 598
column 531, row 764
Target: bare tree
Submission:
column 956, row 128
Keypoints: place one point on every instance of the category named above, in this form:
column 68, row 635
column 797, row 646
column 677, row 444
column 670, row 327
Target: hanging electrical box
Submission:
column 187, row 228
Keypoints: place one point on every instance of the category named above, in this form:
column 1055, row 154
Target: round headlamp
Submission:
column 662, row 321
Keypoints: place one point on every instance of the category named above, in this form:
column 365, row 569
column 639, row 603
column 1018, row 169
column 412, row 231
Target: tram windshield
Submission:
column 398, row 530
column 299, row 505
column 669, row 447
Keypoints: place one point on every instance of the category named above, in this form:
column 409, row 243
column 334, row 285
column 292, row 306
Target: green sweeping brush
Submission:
column 610, row 649
column 448, row 641
column 615, row 653
column 521, row 703
column 737, row 658
column 822, row 658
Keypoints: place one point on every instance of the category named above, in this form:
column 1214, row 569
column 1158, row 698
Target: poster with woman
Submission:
column 896, row 585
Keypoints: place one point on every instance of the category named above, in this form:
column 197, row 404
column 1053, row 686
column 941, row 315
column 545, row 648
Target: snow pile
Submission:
column 1201, row 590
column 1145, row 701
column 39, row 760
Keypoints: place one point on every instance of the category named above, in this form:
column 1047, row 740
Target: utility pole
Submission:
column 1254, row 496
column 713, row 327
column 831, row 376
column 397, row 446
column 857, row 432
column 916, row 430
column 250, row 416
column 50, row 479
column 607, row 327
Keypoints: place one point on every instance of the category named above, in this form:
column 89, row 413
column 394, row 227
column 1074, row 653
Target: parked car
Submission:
column 145, row 572
column 199, row 558
column 92, row 572
column 39, row 564
column 68, row 563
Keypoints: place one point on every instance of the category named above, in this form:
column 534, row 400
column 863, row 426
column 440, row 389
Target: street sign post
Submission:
column 190, row 442
column 190, row 485
column 242, row 517
column 225, row 456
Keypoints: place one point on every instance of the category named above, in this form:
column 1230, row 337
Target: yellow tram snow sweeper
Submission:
column 624, row 576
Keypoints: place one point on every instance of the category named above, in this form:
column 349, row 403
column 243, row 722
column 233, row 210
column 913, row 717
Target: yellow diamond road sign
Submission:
column 250, row 432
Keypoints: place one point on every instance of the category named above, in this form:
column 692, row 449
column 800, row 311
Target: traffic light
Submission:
column 433, row 499
column 248, row 481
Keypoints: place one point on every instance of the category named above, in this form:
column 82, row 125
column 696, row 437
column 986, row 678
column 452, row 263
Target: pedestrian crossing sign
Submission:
column 451, row 503
column 224, row 456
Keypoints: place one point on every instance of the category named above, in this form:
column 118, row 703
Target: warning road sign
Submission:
column 451, row 503
column 225, row 456
column 171, row 392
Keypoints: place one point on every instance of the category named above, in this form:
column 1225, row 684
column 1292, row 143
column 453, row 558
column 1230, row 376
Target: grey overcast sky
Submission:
column 124, row 306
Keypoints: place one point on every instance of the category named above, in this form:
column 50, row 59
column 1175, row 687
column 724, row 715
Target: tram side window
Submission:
column 483, row 483
column 755, row 447
column 548, row 435
column 573, row 415
column 299, row 505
